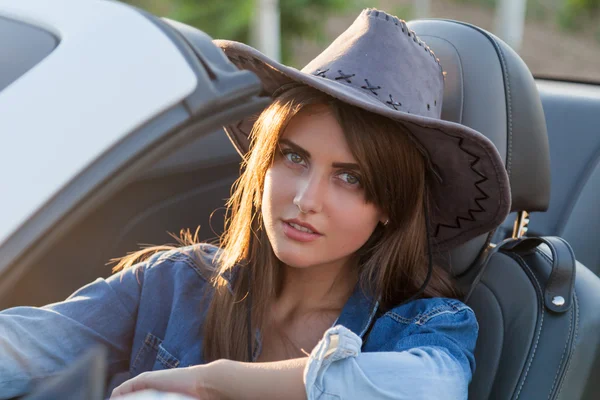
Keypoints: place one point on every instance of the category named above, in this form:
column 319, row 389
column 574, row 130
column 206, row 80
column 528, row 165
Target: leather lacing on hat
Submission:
column 370, row 87
column 402, row 24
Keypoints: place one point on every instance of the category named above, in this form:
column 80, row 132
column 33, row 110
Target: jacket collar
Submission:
column 358, row 312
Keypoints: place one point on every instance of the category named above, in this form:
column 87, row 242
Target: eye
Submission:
column 350, row 179
column 294, row 158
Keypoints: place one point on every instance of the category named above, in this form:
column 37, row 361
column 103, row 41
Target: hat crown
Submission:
column 381, row 57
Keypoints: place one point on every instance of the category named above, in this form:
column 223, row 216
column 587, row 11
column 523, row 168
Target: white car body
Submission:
column 132, row 62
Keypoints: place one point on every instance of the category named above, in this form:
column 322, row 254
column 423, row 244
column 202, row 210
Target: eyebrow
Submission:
column 306, row 154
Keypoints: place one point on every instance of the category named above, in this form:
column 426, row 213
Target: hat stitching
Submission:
column 471, row 211
column 393, row 103
column 371, row 87
column 344, row 76
column 396, row 21
column 408, row 31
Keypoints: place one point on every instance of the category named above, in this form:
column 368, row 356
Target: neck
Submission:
column 318, row 289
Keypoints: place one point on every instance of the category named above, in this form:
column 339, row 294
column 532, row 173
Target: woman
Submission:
column 323, row 285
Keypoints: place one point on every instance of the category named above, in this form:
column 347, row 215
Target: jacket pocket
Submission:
column 152, row 356
column 166, row 359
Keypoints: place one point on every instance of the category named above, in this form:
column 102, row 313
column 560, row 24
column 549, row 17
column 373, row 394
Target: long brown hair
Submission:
column 393, row 263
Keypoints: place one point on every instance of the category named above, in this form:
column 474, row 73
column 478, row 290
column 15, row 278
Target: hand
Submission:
column 191, row 381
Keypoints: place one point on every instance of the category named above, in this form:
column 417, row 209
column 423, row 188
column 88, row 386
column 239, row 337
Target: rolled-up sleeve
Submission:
column 426, row 364
column 37, row 342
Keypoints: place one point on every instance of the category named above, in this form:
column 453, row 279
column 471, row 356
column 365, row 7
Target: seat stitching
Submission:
column 508, row 106
column 537, row 338
column 563, row 354
column 507, row 87
column 496, row 297
column 576, row 304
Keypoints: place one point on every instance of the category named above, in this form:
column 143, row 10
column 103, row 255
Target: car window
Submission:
column 27, row 46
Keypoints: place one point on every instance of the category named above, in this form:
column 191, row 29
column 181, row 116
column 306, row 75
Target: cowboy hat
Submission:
column 380, row 65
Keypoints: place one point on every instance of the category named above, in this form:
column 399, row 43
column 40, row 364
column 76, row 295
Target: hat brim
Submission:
column 470, row 193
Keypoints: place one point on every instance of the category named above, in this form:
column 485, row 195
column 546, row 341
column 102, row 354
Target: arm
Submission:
column 419, row 358
column 38, row 342
column 264, row 381
column 335, row 370
column 225, row 379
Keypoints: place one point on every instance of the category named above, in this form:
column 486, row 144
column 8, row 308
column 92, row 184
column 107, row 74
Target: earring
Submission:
column 387, row 221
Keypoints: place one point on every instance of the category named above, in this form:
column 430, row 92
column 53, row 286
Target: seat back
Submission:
column 525, row 350
column 571, row 114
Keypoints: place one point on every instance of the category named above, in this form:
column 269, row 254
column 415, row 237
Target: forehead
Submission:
column 317, row 131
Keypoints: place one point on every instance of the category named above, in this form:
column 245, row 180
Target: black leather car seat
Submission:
column 571, row 114
column 525, row 350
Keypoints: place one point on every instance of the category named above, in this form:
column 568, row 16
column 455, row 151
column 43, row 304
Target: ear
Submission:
column 384, row 219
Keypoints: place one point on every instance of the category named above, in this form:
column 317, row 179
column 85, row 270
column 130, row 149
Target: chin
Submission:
column 296, row 258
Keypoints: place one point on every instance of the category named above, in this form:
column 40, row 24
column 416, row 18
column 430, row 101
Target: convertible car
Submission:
column 110, row 123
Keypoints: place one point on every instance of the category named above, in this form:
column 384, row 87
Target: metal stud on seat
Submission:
column 558, row 301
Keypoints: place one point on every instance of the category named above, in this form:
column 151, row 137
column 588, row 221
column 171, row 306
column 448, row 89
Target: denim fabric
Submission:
column 150, row 317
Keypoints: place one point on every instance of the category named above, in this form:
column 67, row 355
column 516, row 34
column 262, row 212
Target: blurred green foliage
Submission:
column 570, row 15
column 403, row 11
column 487, row 3
column 231, row 19
column 575, row 12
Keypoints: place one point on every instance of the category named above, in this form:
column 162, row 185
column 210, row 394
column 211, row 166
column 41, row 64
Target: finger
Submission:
column 130, row 386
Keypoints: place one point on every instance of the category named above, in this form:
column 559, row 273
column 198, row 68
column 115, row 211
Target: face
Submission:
column 314, row 206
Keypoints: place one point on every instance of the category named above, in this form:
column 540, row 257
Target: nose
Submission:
column 310, row 193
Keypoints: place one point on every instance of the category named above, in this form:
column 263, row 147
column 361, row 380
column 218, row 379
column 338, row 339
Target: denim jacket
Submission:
column 150, row 317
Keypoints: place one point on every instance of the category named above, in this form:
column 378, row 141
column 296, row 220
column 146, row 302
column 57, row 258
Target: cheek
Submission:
column 278, row 192
column 354, row 221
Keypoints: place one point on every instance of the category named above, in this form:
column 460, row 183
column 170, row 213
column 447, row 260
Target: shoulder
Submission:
column 423, row 311
column 193, row 262
column 441, row 318
column 448, row 325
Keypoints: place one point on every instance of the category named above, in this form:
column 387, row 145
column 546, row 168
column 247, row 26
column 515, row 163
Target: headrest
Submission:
column 489, row 88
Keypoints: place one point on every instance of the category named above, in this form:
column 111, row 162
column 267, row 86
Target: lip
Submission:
column 297, row 235
column 303, row 224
